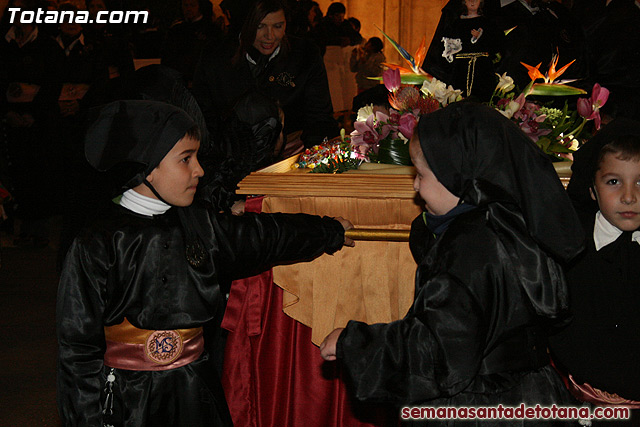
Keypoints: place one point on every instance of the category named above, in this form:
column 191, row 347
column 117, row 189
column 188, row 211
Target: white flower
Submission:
column 441, row 92
column 433, row 88
column 505, row 84
column 510, row 109
column 453, row 95
column 365, row 112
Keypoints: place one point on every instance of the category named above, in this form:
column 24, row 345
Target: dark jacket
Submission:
column 296, row 77
column 600, row 346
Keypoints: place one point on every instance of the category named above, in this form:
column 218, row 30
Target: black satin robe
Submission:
column 135, row 267
column 471, row 299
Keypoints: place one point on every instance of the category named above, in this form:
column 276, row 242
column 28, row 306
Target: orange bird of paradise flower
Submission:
column 552, row 74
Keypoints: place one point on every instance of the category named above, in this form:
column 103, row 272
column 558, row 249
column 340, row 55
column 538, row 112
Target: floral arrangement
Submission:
column 558, row 132
column 332, row 156
column 382, row 135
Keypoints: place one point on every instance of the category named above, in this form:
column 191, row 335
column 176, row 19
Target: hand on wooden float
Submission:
column 347, row 225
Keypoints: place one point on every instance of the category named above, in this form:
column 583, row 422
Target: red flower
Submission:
column 589, row 108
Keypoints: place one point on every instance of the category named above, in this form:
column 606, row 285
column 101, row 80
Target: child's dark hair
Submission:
column 193, row 133
column 625, row 147
column 376, row 44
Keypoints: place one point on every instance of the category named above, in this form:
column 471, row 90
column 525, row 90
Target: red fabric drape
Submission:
column 274, row 375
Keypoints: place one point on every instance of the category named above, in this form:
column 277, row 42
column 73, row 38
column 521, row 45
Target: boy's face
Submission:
column 438, row 200
column 177, row 175
column 617, row 191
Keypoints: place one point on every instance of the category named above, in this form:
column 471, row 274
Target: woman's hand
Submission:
column 346, row 224
column 328, row 346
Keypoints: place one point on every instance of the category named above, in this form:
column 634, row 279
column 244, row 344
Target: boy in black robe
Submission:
column 138, row 284
column 600, row 348
column 488, row 281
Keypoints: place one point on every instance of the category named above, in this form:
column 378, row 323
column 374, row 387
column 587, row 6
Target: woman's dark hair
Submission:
column 336, row 9
column 376, row 44
column 626, row 147
column 257, row 13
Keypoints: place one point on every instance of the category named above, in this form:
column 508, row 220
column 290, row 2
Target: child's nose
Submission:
column 629, row 195
column 197, row 169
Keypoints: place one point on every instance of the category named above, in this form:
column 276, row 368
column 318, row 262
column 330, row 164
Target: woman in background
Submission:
column 288, row 69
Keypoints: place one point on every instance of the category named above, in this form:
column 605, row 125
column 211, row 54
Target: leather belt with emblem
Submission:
column 147, row 350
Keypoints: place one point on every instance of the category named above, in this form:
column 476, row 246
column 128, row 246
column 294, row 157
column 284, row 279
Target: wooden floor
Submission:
column 28, row 284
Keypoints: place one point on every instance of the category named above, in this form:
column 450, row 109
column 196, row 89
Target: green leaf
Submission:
column 409, row 78
column 394, row 152
column 402, row 51
column 553, row 89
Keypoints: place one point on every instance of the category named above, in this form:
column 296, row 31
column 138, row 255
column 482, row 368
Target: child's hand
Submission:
column 346, row 224
column 238, row 208
column 328, row 346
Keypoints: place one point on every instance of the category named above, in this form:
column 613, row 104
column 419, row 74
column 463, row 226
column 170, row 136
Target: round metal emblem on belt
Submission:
column 163, row 347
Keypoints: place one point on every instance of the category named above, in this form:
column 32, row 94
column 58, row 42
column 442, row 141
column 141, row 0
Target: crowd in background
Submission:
column 52, row 75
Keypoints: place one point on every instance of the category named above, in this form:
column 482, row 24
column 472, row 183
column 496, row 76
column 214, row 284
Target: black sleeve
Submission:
column 253, row 243
column 435, row 351
column 80, row 332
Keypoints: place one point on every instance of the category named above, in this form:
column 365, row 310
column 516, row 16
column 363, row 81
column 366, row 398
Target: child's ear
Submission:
column 150, row 177
column 594, row 196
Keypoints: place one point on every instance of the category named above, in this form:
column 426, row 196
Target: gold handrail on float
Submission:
column 378, row 235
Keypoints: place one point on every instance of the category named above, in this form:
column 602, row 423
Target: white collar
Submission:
column 275, row 52
column 143, row 205
column 11, row 35
column 605, row 233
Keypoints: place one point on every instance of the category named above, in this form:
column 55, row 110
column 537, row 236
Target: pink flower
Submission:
column 589, row 108
column 391, row 79
column 406, row 125
column 532, row 127
column 367, row 134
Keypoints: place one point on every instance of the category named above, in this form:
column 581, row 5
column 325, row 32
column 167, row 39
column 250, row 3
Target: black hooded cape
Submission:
column 487, row 287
